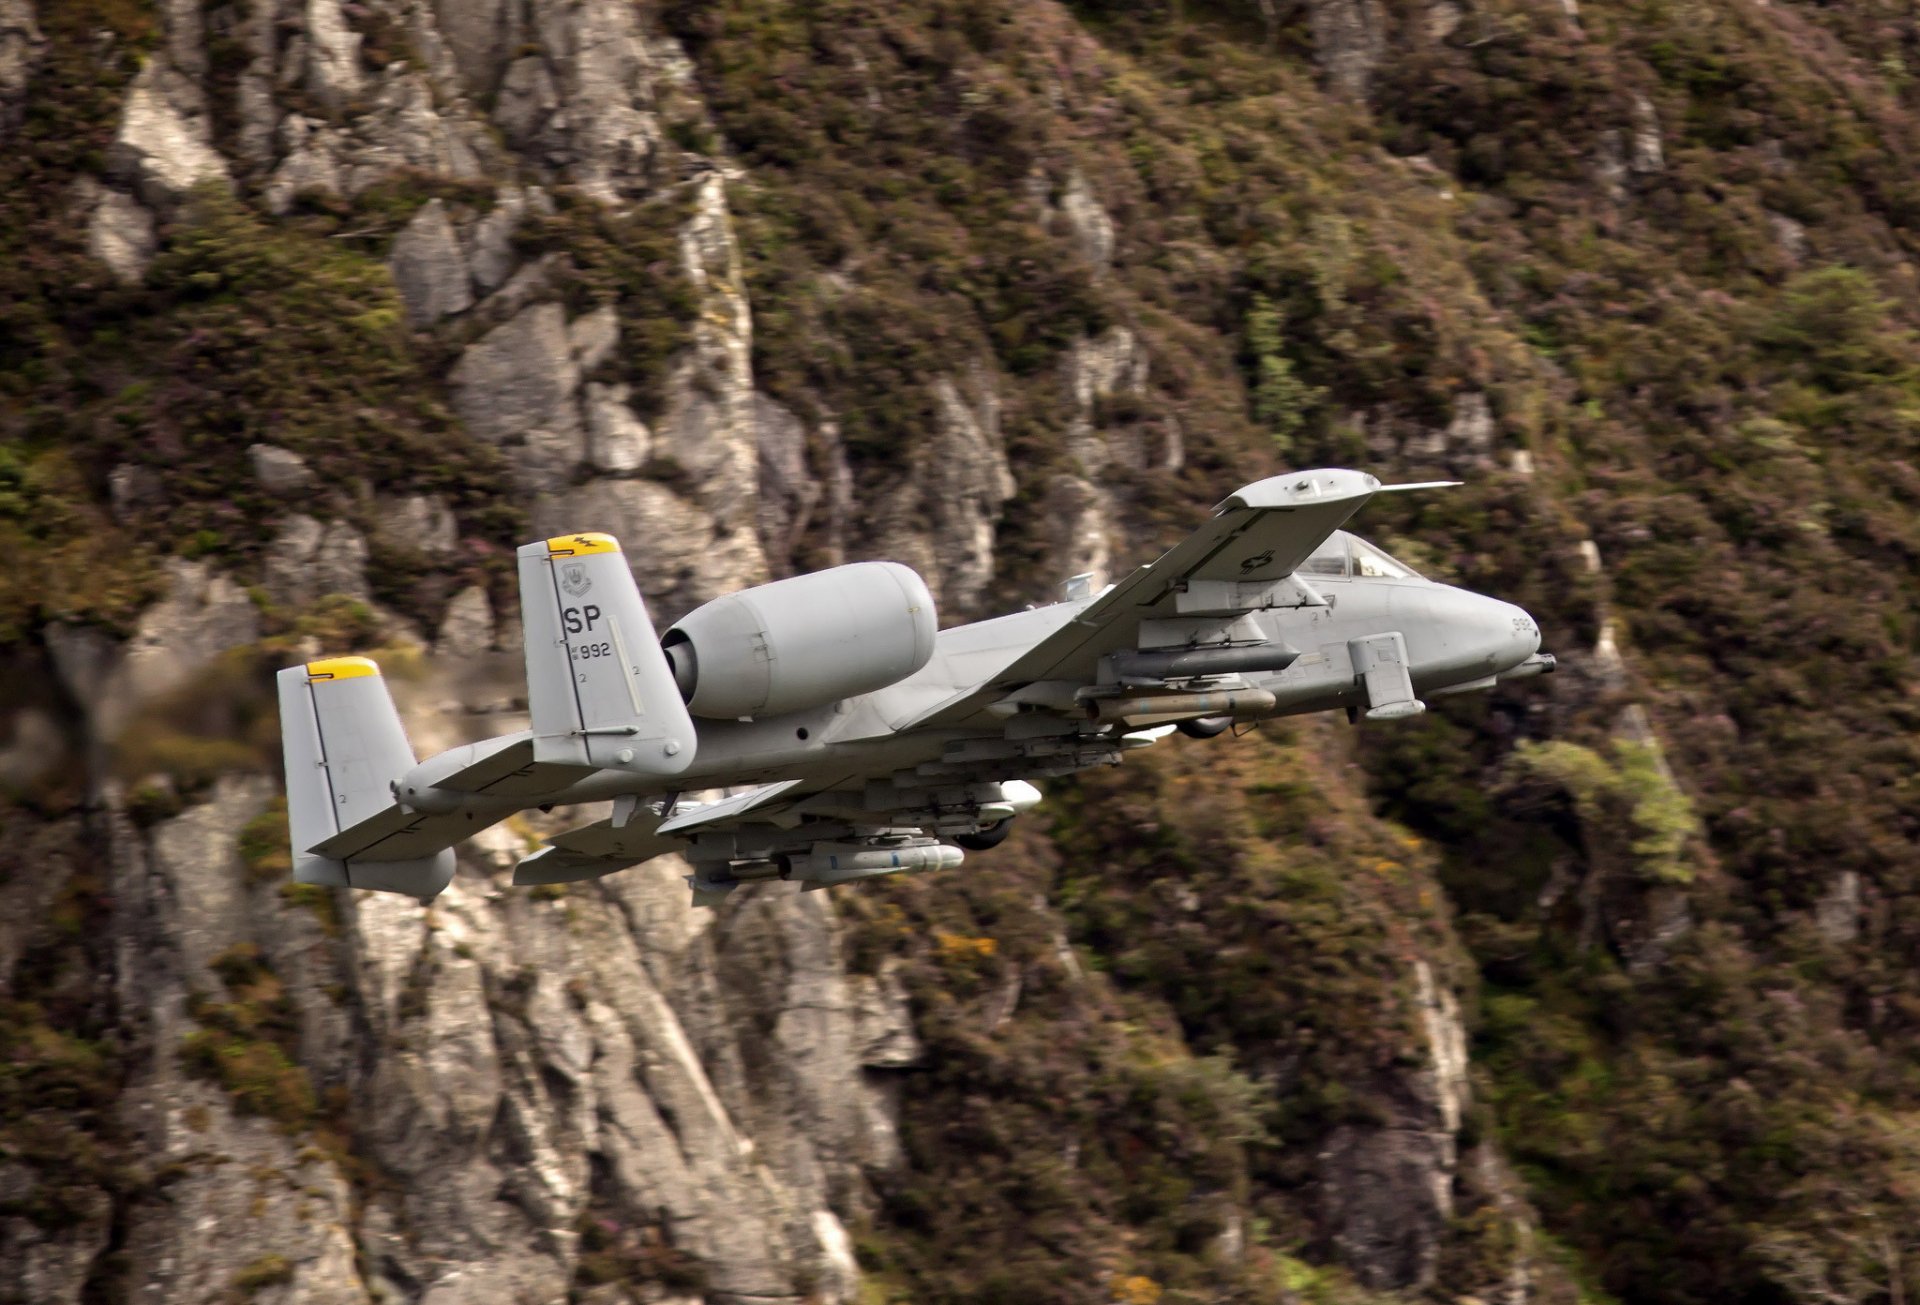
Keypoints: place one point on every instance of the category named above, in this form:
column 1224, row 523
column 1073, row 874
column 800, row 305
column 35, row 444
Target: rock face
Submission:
column 163, row 148
column 20, row 46
column 120, row 234
column 942, row 522
column 1349, row 39
column 507, row 1095
column 308, row 561
column 1388, row 1191
column 203, row 615
column 429, row 268
column 538, row 1064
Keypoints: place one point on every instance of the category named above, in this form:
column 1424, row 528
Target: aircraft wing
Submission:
column 1242, row 559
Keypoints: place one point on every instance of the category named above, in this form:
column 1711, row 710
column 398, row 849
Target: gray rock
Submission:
column 602, row 70
column 419, row 524
column 1387, row 1190
column 467, row 628
column 311, row 166
column 883, row 1032
column 1092, row 372
column 479, row 33
column 429, row 268
column 120, row 234
column 594, row 336
column 197, row 854
column 1349, row 40
column 33, row 745
column 618, row 443
column 1790, row 236
column 131, row 487
column 50, row 1266
column 707, row 424
column 308, row 561
column 20, row 46
column 1092, row 228
column 163, row 147
column 942, row 522
column 1384, row 1195
column 203, row 615
column 1610, row 167
column 518, row 377
column 1472, row 429
column 788, row 491
column 55, row 851
column 184, row 24
column 280, row 1208
column 407, row 127
column 279, row 471
column 1446, row 1035
column 333, row 55
column 1647, row 156
column 490, row 256
column 1837, row 914
column 528, row 100
column 1079, row 514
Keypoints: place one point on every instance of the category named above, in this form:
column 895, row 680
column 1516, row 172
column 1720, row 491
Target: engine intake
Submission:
column 803, row 642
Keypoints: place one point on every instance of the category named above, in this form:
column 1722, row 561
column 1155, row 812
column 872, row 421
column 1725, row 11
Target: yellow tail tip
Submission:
column 341, row 668
column 582, row 545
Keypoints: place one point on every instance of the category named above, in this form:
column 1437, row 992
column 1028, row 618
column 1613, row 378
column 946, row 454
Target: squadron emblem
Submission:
column 574, row 579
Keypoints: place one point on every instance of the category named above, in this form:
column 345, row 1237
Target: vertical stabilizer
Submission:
column 344, row 746
column 598, row 685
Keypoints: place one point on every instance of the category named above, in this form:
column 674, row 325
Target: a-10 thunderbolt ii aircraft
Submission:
column 856, row 737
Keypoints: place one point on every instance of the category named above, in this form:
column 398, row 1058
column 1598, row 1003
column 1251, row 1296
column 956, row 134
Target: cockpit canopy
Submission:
column 1348, row 557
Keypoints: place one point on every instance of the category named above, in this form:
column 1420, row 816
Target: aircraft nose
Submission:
column 1519, row 635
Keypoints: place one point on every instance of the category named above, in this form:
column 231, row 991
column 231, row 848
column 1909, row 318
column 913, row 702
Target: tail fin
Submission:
column 344, row 747
column 598, row 685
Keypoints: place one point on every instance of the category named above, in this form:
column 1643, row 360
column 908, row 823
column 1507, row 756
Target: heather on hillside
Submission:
column 1592, row 988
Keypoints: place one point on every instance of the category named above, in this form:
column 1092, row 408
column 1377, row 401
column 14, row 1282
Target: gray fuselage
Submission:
column 1455, row 639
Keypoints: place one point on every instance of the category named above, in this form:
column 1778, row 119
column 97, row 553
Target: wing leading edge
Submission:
column 1243, row 558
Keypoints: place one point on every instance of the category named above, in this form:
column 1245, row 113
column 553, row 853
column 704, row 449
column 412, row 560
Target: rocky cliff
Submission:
column 310, row 310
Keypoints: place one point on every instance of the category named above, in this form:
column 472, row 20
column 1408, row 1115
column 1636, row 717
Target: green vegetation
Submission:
column 1711, row 365
column 264, row 843
column 60, row 1062
column 630, row 259
column 248, row 1042
column 1280, row 399
column 1632, row 794
column 267, row 1271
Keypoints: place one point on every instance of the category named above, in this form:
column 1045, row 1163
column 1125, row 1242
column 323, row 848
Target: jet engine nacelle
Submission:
column 803, row 642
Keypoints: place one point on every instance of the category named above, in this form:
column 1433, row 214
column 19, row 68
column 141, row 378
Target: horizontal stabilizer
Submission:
column 497, row 768
column 344, row 746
